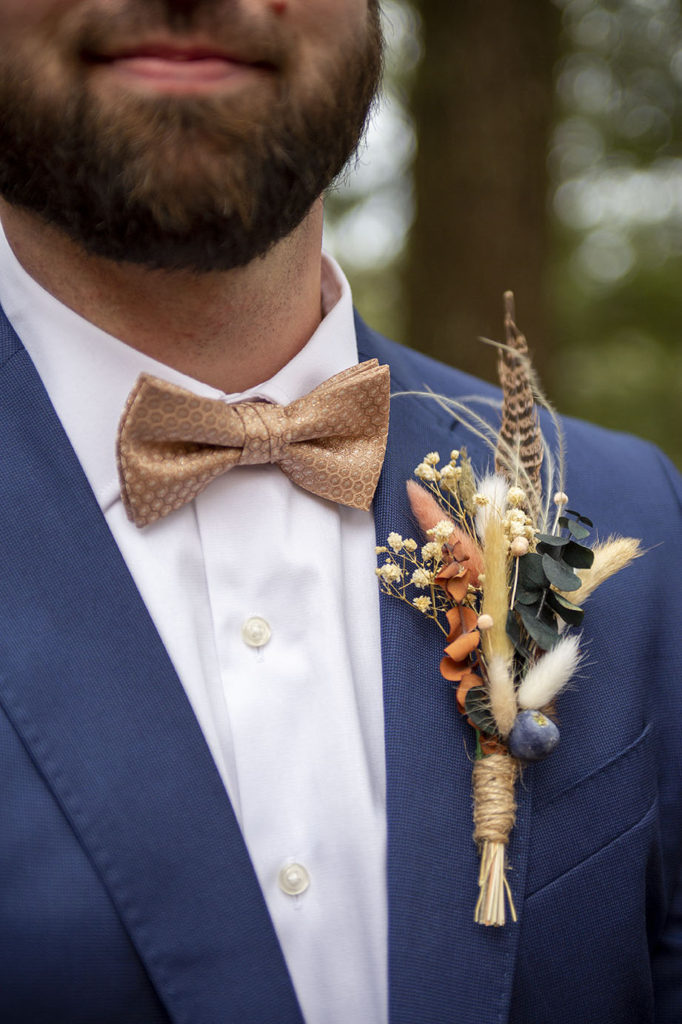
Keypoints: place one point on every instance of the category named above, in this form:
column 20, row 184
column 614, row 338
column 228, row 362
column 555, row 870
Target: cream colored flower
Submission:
column 426, row 472
column 516, row 496
column 380, row 550
column 395, row 541
column 391, row 573
column 421, row 578
column 423, row 604
column 431, row 550
column 441, row 531
column 433, row 458
column 410, row 545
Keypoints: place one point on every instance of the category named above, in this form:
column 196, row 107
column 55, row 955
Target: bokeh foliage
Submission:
column 615, row 185
column 610, row 166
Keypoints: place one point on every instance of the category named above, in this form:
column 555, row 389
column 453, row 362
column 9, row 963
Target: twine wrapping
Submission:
column 494, row 816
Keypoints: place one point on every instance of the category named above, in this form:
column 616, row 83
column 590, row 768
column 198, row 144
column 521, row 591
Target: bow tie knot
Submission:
column 172, row 443
column 265, row 433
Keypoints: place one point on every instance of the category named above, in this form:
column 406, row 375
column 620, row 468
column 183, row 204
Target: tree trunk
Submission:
column 482, row 101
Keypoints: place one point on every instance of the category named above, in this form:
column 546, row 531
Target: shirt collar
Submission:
column 88, row 373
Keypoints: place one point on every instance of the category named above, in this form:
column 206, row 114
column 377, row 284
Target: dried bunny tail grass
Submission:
column 549, row 675
column 425, row 508
column 428, row 514
column 610, row 557
column 501, row 694
column 495, row 641
column 494, row 488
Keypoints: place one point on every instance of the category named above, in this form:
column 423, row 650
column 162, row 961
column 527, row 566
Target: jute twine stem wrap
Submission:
column 494, row 816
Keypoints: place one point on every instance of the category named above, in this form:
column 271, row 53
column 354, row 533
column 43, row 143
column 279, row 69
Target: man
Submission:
column 212, row 810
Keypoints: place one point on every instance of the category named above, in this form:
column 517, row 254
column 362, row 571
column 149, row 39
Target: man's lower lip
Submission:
column 162, row 71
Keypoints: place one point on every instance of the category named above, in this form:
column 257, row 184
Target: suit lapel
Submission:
column 442, row 966
column 89, row 687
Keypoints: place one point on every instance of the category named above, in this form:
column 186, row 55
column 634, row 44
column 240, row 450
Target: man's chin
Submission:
column 209, row 248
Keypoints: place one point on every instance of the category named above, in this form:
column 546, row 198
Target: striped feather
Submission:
column 518, row 455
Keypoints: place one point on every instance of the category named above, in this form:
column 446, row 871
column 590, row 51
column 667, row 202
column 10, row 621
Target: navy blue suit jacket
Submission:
column 126, row 893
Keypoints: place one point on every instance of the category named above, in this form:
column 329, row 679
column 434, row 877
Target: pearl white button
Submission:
column 256, row 631
column 293, row 879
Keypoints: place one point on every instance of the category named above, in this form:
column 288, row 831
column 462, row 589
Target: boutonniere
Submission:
column 503, row 570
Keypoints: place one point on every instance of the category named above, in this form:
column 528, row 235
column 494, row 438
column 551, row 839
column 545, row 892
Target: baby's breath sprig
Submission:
column 453, row 486
column 410, row 574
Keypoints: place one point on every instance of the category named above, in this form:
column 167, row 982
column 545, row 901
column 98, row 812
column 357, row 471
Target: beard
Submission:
column 197, row 183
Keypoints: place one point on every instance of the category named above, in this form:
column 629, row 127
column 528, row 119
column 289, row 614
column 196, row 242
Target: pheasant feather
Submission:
column 518, row 455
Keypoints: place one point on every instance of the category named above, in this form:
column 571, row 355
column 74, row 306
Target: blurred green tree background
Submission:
column 533, row 145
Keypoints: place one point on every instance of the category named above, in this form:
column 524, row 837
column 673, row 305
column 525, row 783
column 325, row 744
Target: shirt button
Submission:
column 293, row 879
column 256, row 631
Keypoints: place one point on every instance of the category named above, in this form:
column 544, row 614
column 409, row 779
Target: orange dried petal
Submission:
column 448, row 571
column 457, row 550
column 463, row 645
column 468, row 682
column 453, row 671
column 460, row 619
column 457, row 588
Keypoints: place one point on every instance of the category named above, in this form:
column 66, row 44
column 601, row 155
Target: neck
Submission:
column 231, row 329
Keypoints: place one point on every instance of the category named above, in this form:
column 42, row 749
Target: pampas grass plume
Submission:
column 610, row 557
column 549, row 675
column 501, row 694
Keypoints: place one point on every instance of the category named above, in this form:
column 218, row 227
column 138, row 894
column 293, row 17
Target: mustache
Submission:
column 225, row 23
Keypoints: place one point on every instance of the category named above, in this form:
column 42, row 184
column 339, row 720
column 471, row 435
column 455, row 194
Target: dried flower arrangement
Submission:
column 503, row 572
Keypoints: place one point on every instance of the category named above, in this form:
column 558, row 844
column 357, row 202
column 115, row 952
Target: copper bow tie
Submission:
column 171, row 443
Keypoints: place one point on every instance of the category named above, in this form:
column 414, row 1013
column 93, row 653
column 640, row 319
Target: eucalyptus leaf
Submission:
column 544, row 633
column 569, row 612
column 525, row 596
column 575, row 527
column 477, row 707
column 531, row 573
column 559, row 574
column 578, row 530
column 549, row 540
column 578, row 555
column 514, row 634
column 513, row 631
column 581, row 519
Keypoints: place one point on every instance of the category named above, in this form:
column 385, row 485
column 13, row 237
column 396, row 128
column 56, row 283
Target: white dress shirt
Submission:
column 266, row 600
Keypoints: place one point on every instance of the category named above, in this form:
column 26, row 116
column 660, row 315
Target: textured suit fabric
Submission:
column 126, row 893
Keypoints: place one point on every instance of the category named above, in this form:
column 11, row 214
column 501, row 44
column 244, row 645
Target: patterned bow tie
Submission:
column 171, row 443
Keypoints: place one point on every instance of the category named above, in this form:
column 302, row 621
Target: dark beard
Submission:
column 181, row 183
